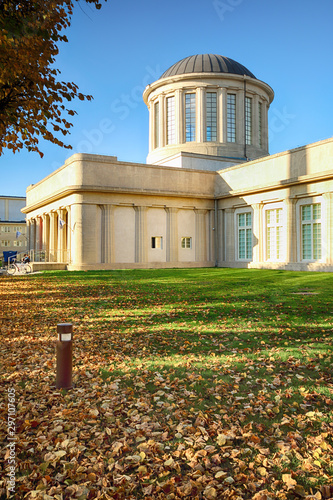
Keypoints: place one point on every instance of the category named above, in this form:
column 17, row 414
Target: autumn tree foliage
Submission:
column 33, row 100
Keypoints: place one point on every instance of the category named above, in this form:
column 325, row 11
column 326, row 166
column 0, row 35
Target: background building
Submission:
column 12, row 222
column 209, row 195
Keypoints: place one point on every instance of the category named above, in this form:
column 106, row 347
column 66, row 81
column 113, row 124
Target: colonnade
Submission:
column 49, row 236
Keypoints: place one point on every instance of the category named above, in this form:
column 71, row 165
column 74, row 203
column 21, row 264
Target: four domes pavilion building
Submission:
column 209, row 195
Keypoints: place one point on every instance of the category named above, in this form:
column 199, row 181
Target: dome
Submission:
column 207, row 63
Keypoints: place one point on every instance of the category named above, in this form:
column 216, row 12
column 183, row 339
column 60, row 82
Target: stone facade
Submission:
column 212, row 197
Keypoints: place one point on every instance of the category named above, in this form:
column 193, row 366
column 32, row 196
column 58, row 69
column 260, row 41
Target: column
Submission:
column 33, row 237
column 200, row 113
column 229, row 235
column 240, row 138
column 222, row 115
column 172, row 235
column 151, row 111
column 61, row 234
column 46, row 236
column 38, row 238
column 179, row 115
column 255, row 121
column 200, row 236
column 264, row 125
column 163, row 130
column 68, row 234
column 140, row 234
column 53, row 236
column 258, row 234
column 76, row 256
column 107, row 231
column 291, row 230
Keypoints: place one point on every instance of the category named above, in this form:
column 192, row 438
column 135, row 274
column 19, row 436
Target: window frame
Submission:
column 311, row 200
column 156, row 242
column 190, row 108
column 231, row 118
column 312, row 222
column 170, row 120
column 248, row 230
column 211, row 115
column 248, row 120
column 186, row 240
column 283, row 237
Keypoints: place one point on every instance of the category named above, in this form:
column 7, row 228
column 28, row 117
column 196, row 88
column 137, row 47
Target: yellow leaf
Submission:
column 168, row 462
column 210, row 493
column 221, row 439
column 220, row 474
column 262, row 471
column 290, row 482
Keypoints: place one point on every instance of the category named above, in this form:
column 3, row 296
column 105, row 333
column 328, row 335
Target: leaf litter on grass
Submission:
column 200, row 384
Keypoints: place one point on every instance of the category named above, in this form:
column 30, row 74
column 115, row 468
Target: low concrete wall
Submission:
column 48, row 266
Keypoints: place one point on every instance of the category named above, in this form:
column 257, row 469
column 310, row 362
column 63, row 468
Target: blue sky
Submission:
column 113, row 53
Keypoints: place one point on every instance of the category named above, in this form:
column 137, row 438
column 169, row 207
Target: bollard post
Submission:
column 64, row 355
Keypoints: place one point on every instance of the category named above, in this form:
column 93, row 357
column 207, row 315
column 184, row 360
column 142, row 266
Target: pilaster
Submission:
column 257, row 233
column 200, row 113
column 240, row 138
column 200, row 236
column 140, row 234
column 171, row 235
column 291, row 230
column 255, row 121
column 179, row 130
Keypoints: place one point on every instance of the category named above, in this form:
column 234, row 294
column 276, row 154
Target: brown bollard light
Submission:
column 64, row 355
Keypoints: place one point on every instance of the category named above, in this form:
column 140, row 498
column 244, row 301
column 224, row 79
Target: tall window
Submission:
column 211, row 116
column 5, row 229
column 311, row 231
column 190, row 117
column 248, row 120
column 260, row 123
column 157, row 124
column 171, row 136
column 245, row 235
column 274, row 234
column 231, row 118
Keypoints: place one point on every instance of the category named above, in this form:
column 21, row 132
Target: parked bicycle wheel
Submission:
column 11, row 269
column 27, row 268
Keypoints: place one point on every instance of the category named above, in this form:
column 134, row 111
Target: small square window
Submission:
column 186, row 242
column 157, row 242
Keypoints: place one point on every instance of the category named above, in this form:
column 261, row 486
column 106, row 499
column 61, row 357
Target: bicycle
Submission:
column 19, row 268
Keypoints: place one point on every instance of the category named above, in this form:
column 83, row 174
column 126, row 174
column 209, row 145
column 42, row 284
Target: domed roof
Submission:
column 207, row 63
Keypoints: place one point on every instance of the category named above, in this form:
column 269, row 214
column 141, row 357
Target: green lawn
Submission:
column 200, row 383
